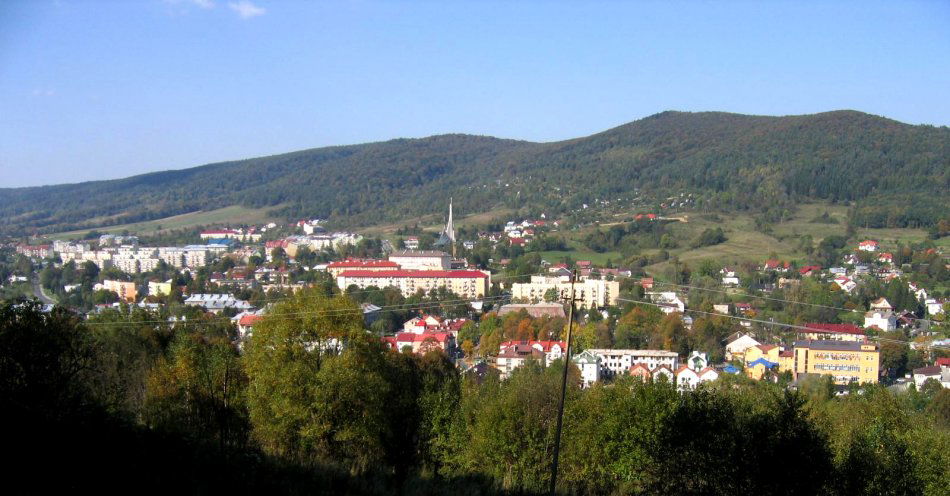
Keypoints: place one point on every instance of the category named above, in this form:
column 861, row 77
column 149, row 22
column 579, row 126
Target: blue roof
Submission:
column 762, row 361
column 729, row 369
column 222, row 241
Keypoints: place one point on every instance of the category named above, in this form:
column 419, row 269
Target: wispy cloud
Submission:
column 204, row 4
column 246, row 10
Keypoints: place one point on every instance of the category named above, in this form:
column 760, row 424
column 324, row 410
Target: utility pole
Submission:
column 560, row 407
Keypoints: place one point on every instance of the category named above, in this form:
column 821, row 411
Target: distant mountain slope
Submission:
column 735, row 162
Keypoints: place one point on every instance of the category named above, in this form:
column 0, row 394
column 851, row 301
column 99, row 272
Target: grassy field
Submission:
column 222, row 216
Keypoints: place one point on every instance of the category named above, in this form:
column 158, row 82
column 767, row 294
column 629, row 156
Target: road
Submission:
column 38, row 292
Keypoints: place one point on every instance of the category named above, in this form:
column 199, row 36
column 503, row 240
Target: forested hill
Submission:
column 897, row 174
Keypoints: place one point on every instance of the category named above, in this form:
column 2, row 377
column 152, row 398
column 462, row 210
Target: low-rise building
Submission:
column 884, row 320
column 816, row 331
column 372, row 265
column 125, row 290
column 589, row 366
column 618, row 362
column 216, row 303
column 421, row 260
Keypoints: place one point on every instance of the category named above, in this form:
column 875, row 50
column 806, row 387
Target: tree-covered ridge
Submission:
column 732, row 161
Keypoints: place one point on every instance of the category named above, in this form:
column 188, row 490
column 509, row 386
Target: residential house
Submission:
column 868, row 245
column 664, row 373
column 738, row 344
column 516, row 356
column 686, row 378
column 697, row 361
column 708, row 374
column 729, row 277
column 589, row 366
column 425, row 342
column 881, row 304
column 641, row 371
column 552, row 350
column 884, row 320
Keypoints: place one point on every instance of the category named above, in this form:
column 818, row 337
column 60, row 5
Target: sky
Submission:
column 106, row 89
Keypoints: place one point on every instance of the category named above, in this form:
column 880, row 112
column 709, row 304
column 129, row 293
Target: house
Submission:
column 846, row 283
column 589, row 365
column 618, row 361
column 809, row 270
column 738, row 345
column 774, row 265
column 551, row 350
column 745, row 309
column 516, row 356
column 881, row 304
column 886, row 258
column 729, row 277
column 411, row 243
column 838, row 271
column 126, row 290
column 156, row 288
column 723, row 308
column 845, row 361
column 425, row 342
column 686, row 378
column 641, row 371
column 831, row 332
column 697, row 361
column 668, row 301
column 884, row 320
column 646, row 283
column 758, row 368
column 664, row 373
column 246, row 323
column 868, row 245
column 934, row 306
column 708, row 374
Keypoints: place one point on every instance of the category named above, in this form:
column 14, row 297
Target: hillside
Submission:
column 732, row 161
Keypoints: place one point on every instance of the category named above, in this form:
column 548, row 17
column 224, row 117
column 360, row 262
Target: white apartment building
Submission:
column 616, row 362
column 589, row 293
column 465, row 283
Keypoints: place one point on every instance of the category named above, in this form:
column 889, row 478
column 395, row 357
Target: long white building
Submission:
column 466, row 283
column 616, row 362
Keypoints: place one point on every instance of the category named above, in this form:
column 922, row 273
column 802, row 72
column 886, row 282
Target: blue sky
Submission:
column 97, row 90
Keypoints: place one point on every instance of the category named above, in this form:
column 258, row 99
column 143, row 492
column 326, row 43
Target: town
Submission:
column 490, row 304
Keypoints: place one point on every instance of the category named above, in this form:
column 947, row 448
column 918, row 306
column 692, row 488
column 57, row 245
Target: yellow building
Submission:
column 125, row 290
column 589, row 293
column 761, row 358
column 156, row 288
column 845, row 361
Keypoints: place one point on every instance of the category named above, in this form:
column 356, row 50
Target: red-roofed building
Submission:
column 831, row 332
column 645, row 217
column 869, row 245
column 641, row 371
column 552, row 350
column 886, row 258
column 776, row 265
column 425, row 342
column 809, row 270
column 465, row 283
column 369, row 264
column 943, row 362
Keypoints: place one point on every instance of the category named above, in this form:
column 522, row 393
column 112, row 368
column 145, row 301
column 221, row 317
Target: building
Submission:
column 885, row 320
column 125, row 290
column 641, row 371
column 156, row 288
column 216, row 303
column 335, row 268
column 411, row 243
column 845, row 361
column 935, row 372
column 465, row 283
column 761, row 358
column 697, row 361
column 589, row 293
column 831, row 332
column 868, row 245
column 589, row 366
column 616, row 362
column 738, row 344
column 516, row 356
column 881, row 304
column 669, row 301
column 421, row 260
column 536, row 310
column 552, row 350
column 425, row 342
column 686, row 378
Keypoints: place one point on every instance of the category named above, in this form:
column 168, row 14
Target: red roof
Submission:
column 249, row 320
column 545, row 345
column 766, row 347
column 356, row 263
column 868, row 243
column 454, row 274
column 440, row 337
column 943, row 362
column 834, row 328
column 808, row 268
column 220, row 231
